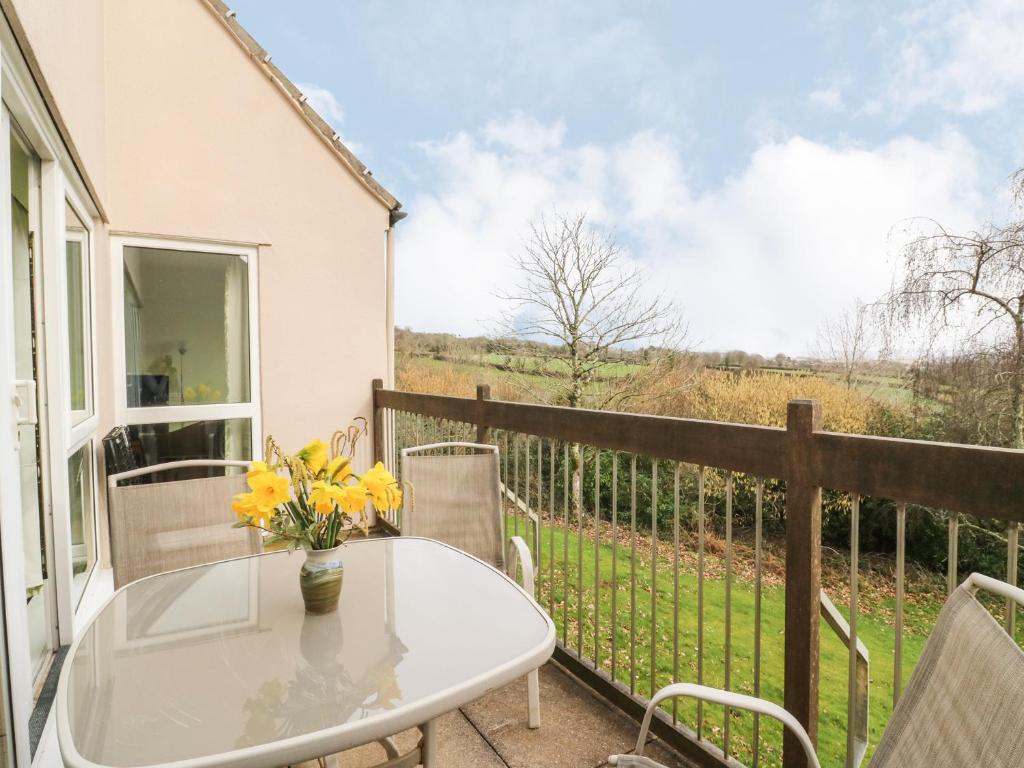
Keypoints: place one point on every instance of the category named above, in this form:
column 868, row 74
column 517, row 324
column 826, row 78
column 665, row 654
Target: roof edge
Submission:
column 328, row 134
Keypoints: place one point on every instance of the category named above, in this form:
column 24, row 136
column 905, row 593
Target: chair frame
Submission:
column 517, row 553
column 973, row 583
column 114, row 479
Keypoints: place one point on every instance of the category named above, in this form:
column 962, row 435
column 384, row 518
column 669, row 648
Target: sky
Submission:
column 760, row 162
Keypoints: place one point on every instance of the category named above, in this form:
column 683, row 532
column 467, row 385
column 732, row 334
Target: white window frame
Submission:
column 72, row 435
column 88, row 317
column 168, row 414
column 59, row 185
column 82, row 422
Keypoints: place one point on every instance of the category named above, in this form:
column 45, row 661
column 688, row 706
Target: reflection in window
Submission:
column 186, row 327
column 76, row 244
column 83, row 527
column 218, row 439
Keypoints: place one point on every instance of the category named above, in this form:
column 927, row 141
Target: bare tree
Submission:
column 972, row 284
column 847, row 340
column 578, row 294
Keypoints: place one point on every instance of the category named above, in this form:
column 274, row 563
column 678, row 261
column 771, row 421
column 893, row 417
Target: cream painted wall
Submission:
column 183, row 135
column 67, row 40
column 201, row 144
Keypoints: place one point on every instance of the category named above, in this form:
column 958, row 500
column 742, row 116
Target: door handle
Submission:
column 24, row 400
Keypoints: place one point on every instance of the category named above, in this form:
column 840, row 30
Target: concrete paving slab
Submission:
column 459, row 745
column 578, row 729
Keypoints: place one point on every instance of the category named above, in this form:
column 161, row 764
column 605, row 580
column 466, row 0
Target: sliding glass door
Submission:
column 31, row 445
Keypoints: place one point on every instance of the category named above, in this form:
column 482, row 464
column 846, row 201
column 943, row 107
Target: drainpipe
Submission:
column 389, row 287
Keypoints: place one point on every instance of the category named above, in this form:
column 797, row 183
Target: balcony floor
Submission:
column 578, row 730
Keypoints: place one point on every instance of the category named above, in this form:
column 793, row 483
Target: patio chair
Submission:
column 163, row 526
column 963, row 705
column 457, row 498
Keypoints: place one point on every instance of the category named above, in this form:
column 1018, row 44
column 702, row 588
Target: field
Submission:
column 557, row 592
column 532, row 377
column 879, row 402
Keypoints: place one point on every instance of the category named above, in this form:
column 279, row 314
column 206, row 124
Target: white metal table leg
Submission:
column 429, row 749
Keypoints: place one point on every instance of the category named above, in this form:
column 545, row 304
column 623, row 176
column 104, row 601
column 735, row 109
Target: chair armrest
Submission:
column 519, row 554
column 726, row 698
column 634, row 761
column 536, row 539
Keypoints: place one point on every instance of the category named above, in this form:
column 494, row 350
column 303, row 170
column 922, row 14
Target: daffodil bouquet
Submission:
column 321, row 501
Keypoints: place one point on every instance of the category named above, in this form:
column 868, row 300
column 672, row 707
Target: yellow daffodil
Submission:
column 243, row 506
column 268, row 490
column 339, row 469
column 382, row 487
column 256, row 468
column 351, row 498
column 314, row 455
column 323, row 497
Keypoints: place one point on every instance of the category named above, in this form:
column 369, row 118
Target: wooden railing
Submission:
column 981, row 481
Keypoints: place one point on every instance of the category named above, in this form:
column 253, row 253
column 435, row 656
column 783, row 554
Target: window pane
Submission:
column 76, row 245
column 83, row 521
column 186, row 327
column 221, row 439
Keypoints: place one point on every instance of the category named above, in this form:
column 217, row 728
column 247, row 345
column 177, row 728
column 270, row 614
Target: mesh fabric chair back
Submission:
column 964, row 703
column 161, row 527
column 455, row 499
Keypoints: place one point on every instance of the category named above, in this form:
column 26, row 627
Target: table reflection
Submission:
column 213, row 659
column 324, row 688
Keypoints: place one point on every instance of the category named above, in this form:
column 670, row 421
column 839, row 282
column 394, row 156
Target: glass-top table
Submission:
column 219, row 665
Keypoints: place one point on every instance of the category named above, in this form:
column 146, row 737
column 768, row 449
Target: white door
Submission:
column 28, row 375
column 24, row 644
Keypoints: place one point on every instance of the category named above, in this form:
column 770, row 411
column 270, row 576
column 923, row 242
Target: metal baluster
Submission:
column 675, row 590
column 504, row 451
column 851, row 690
column 700, row 596
column 551, row 528
column 1012, row 538
column 615, row 561
column 728, row 605
column 565, row 549
column 393, row 429
column 579, row 558
column 632, row 576
column 952, row 556
column 515, row 482
column 758, row 584
column 526, row 495
column 654, row 575
column 539, row 538
column 526, row 484
column 597, row 556
column 901, row 556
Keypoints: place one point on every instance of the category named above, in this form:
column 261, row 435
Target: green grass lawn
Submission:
column 874, row 629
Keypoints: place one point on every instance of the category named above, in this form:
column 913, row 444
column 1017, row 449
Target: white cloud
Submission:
column 963, row 56
column 830, row 98
column 326, row 104
column 757, row 262
column 524, row 134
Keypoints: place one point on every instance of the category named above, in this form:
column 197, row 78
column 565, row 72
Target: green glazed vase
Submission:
column 320, row 579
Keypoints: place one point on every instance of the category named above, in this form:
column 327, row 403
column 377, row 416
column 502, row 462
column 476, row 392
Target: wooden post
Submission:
column 483, row 432
column 803, row 576
column 378, row 423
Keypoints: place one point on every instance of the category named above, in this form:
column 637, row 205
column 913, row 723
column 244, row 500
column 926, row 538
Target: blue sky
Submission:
column 757, row 159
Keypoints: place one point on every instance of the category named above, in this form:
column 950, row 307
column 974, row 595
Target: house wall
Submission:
column 183, row 135
column 67, row 39
column 201, row 144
